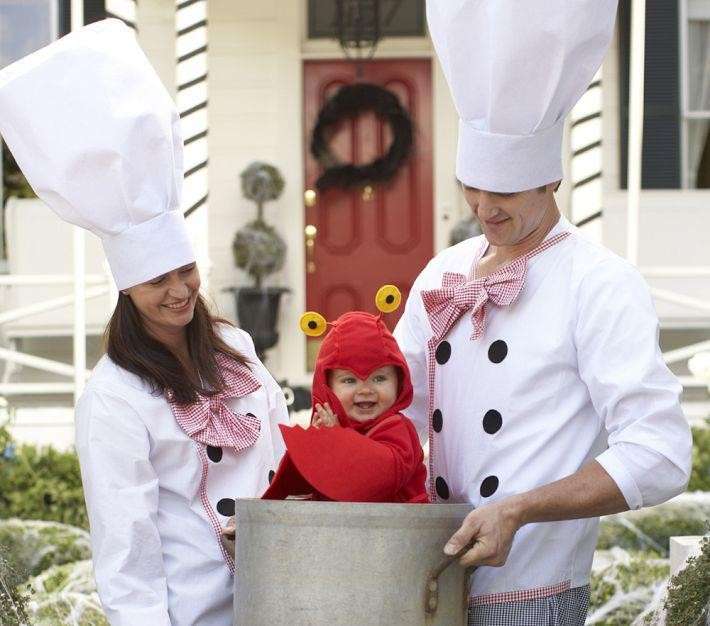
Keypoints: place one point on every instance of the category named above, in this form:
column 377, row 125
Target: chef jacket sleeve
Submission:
column 632, row 390
column 121, row 492
column 412, row 333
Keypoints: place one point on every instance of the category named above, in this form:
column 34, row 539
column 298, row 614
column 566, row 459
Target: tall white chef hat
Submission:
column 98, row 138
column 515, row 69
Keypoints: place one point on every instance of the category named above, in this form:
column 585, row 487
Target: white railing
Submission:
column 100, row 286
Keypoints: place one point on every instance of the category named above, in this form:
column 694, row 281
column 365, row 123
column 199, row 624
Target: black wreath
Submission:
column 350, row 101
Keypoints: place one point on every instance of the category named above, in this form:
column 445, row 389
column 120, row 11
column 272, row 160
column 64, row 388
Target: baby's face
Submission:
column 364, row 400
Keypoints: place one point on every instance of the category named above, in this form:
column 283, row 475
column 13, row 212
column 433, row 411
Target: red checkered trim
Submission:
column 431, row 347
column 521, row 595
column 212, row 516
column 457, row 295
column 210, row 421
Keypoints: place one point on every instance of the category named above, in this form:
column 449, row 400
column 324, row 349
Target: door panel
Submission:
column 365, row 241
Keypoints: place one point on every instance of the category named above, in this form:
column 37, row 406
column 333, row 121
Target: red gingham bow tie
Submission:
column 445, row 305
column 211, row 421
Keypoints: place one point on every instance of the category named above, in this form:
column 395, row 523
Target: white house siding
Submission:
column 155, row 20
column 255, row 113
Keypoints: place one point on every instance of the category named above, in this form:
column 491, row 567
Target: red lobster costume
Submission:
column 380, row 460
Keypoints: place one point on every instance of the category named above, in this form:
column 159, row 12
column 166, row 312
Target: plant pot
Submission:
column 258, row 314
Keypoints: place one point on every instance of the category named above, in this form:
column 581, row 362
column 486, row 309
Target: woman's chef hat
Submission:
column 97, row 136
column 515, row 69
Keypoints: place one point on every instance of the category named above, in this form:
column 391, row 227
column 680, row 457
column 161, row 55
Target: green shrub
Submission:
column 700, row 477
column 31, row 546
column 13, row 598
column 66, row 594
column 651, row 529
column 40, row 483
column 622, row 586
column 688, row 601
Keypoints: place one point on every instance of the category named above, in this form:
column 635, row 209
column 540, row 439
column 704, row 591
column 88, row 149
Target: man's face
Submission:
column 508, row 218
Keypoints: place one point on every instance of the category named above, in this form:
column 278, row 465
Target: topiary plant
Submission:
column 258, row 249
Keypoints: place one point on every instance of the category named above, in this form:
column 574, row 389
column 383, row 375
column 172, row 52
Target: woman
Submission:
column 180, row 417
column 159, row 485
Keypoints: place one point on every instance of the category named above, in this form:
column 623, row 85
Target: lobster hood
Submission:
column 359, row 342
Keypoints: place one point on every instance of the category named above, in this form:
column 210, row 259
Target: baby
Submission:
column 359, row 447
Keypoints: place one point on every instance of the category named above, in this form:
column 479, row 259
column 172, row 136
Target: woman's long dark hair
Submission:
column 130, row 346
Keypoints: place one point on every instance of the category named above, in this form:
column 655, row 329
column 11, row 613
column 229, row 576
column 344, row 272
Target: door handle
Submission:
column 309, row 198
column 310, row 232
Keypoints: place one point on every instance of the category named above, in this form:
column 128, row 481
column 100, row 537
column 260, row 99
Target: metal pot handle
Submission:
column 431, row 595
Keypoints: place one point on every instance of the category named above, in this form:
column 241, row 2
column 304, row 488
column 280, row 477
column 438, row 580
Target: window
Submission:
column 398, row 18
column 25, row 26
column 695, row 93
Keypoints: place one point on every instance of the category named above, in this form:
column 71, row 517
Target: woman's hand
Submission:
column 324, row 416
column 228, row 535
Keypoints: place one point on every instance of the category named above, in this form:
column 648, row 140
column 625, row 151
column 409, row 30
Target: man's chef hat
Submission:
column 515, row 69
column 97, row 136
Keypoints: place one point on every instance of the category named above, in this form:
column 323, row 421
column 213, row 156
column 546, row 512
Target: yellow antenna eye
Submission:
column 313, row 324
column 388, row 298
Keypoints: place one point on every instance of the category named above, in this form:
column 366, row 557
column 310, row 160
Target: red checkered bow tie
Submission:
column 210, row 421
column 445, row 305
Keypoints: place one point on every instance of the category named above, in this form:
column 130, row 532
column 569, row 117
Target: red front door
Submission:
column 365, row 239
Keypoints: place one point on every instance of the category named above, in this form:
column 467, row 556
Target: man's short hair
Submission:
column 543, row 188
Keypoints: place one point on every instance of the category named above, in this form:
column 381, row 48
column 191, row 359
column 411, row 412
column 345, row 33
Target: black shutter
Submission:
column 661, row 163
column 64, row 11
column 94, row 10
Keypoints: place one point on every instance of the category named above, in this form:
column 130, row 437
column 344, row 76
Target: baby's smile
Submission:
column 364, row 399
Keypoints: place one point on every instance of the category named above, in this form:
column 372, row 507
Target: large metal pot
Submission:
column 304, row 563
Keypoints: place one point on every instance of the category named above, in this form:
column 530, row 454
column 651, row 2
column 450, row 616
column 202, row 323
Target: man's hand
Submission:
column 589, row 492
column 490, row 529
column 228, row 535
column 324, row 416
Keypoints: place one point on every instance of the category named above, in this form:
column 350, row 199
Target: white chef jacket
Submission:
column 157, row 559
column 570, row 372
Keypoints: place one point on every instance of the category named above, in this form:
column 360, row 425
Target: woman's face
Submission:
column 167, row 302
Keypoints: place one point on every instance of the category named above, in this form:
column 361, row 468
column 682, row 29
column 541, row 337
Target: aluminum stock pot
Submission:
column 302, row 563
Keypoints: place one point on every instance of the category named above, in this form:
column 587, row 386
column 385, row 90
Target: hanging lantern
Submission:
column 358, row 24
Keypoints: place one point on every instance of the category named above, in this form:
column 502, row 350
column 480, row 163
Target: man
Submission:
column 534, row 353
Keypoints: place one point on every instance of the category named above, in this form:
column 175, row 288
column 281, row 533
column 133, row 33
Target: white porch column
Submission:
column 79, row 253
column 636, row 101
column 155, row 22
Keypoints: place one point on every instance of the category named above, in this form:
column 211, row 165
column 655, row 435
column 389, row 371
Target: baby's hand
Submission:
column 228, row 533
column 324, row 416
